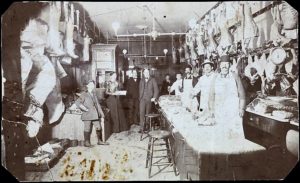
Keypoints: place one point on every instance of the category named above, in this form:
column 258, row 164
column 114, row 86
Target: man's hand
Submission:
column 33, row 128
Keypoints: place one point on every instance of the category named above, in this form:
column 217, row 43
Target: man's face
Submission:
column 187, row 70
column 178, row 76
column 224, row 67
column 90, row 86
column 134, row 74
column 167, row 77
column 146, row 73
column 207, row 68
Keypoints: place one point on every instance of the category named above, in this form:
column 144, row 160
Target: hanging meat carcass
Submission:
column 211, row 47
column 86, row 51
column 275, row 34
column 199, row 41
column 54, row 47
column 270, row 69
column 190, row 42
column 213, row 20
column 289, row 16
column 247, row 70
column 174, row 58
column 231, row 10
column 181, row 51
column 290, row 64
column 226, row 40
column 69, row 44
column 250, row 27
column 54, row 101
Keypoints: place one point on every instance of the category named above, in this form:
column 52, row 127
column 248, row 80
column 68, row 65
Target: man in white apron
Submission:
column 204, row 85
column 187, row 99
column 227, row 101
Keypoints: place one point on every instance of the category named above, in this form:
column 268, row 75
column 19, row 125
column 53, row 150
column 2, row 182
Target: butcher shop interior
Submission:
column 148, row 91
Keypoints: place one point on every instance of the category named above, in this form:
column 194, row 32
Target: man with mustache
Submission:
column 227, row 100
column 148, row 92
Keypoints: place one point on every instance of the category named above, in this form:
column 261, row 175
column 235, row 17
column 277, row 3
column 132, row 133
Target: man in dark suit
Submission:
column 92, row 112
column 148, row 92
column 133, row 98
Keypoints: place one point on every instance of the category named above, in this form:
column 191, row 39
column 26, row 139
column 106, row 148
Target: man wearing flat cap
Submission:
column 227, row 100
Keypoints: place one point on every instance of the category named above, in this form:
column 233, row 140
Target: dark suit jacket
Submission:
column 133, row 88
column 94, row 111
column 152, row 89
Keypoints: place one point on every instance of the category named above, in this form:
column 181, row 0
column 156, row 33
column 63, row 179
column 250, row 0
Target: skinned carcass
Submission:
column 69, row 44
column 54, row 47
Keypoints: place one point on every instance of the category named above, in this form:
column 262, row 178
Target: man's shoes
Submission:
column 87, row 144
column 102, row 143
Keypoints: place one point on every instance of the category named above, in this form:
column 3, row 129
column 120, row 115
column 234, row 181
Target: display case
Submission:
column 267, row 120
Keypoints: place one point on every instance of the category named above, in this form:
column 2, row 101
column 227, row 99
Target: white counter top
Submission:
column 206, row 139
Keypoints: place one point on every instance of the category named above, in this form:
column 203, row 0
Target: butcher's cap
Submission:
column 225, row 58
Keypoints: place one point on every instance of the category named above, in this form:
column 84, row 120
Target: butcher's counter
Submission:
column 203, row 153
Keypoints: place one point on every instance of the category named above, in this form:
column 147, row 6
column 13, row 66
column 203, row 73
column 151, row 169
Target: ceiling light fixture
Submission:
column 154, row 33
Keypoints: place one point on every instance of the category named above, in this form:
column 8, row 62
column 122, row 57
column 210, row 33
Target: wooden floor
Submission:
column 124, row 159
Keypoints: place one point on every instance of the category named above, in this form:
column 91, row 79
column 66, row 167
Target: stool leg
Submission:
column 172, row 158
column 148, row 152
column 150, row 127
column 151, row 156
column 168, row 149
column 143, row 128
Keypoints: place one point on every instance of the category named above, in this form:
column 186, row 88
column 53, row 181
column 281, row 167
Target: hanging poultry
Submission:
column 181, row 51
column 190, row 42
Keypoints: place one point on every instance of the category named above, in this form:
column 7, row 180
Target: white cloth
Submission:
column 187, row 100
column 203, row 86
column 175, row 86
column 227, row 107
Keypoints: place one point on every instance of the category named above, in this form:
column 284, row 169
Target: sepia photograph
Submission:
column 149, row 91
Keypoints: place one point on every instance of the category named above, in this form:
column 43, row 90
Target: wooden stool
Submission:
column 150, row 117
column 154, row 136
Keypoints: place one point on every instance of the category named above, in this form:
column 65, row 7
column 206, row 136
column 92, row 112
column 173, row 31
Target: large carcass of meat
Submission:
column 289, row 16
column 69, row 44
column 54, row 40
column 211, row 44
column 275, row 35
column 86, row 51
column 190, row 42
column 199, row 41
column 250, row 27
column 226, row 40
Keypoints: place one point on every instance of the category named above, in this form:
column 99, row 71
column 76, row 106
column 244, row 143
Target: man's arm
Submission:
column 155, row 87
column 241, row 94
column 79, row 102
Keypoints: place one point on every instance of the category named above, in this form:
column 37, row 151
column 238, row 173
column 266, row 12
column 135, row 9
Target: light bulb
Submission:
column 165, row 51
column 124, row 51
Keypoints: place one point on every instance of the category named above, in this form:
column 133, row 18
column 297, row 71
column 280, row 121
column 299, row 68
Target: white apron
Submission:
column 186, row 97
column 227, row 107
